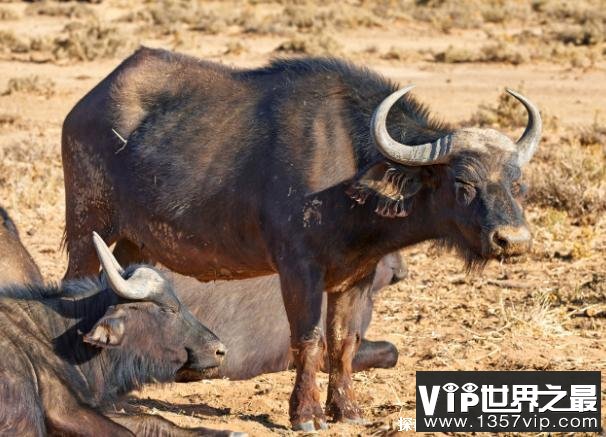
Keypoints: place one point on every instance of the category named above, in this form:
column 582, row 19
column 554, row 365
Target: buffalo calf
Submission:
column 249, row 317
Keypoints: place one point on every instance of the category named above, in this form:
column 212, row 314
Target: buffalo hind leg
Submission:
column 302, row 288
column 375, row 354
column 343, row 338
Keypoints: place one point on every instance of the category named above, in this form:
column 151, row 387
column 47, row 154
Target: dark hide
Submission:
column 231, row 174
column 238, row 312
column 69, row 351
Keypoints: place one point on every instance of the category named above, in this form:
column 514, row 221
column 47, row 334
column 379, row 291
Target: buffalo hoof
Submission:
column 310, row 426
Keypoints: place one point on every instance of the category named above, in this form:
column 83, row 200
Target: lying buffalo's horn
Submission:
column 422, row 154
column 528, row 142
column 143, row 284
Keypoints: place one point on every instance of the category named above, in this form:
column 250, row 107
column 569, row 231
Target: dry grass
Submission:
column 570, row 177
column 33, row 84
column 89, row 40
column 498, row 52
column 8, row 14
column 64, row 10
column 314, row 45
column 11, row 43
column 78, row 41
column 511, row 31
column 506, row 113
column 31, row 177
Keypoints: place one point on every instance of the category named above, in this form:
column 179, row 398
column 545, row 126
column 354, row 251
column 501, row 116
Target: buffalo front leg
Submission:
column 343, row 338
column 302, row 290
column 156, row 426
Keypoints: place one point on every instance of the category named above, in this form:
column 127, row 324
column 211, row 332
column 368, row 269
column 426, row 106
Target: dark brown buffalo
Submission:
column 69, row 351
column 298, row 168
column 16, row 264
column 249, row 317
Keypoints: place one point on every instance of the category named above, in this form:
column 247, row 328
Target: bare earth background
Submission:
column 546, row 311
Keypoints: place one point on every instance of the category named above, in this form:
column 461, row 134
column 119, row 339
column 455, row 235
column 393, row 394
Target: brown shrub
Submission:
column 53, row 9
column 86, row 41
column 569, row 177
column 8, row 14
column 30, row 84
column 455, row 55
column 595, row 134
column 7, row 119
column 10, row 43
column 506, row 113
column 314, row 45
column 493, row 52
column 235, row 48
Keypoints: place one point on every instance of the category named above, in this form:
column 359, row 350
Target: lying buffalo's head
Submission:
column 470, row 179
column 149, row 322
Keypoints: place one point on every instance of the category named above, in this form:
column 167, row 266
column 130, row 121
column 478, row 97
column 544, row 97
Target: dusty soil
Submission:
column 540, row 312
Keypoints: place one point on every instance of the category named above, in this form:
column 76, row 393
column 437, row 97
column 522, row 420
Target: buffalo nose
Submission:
column 510, row 240
column 220, row 352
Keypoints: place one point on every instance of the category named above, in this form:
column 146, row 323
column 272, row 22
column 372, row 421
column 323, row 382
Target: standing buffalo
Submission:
column 68, row 351
column 298, row 168
column 249, row 318
column 16, row 264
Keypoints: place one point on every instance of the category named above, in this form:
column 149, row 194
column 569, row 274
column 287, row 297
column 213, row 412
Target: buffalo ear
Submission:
column 108, row 331
column 392, row 185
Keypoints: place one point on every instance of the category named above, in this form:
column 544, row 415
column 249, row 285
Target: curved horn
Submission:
column 422, row 154
column 109, row 263
column 134, row 288
column 529, row 141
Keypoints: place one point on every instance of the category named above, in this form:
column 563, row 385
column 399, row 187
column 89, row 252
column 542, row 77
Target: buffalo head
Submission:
column 469, row 178
column 149, row 321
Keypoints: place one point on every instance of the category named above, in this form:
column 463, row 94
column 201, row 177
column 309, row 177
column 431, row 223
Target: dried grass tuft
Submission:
column 313, row 45
column 33, row 84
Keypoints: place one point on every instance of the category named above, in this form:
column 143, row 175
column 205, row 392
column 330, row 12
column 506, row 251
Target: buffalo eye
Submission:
column 465, row 192
column 518, row 189
column 168, row 310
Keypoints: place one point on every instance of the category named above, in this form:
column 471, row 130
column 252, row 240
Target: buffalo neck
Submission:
column 96, row 375
column 347, row 232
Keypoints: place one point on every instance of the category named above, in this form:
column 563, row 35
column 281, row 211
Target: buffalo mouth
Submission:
column 192, row 374
column 194, row 370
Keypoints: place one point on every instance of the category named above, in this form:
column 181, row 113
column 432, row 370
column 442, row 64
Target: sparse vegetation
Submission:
column 8, row 14
column 315, row 45
column 30, row 84
column 87, row 41
column 79, row 40
column 54, row 9
column 507, row 113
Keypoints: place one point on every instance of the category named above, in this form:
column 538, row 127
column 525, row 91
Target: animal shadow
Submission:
column 140, row 406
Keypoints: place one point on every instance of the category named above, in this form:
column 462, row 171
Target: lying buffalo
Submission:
column 68, row 351
column 238, row 312
column 16, row 264
column 298, row 168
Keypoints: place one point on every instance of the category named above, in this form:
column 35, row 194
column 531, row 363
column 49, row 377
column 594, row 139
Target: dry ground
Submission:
column 546, row 311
